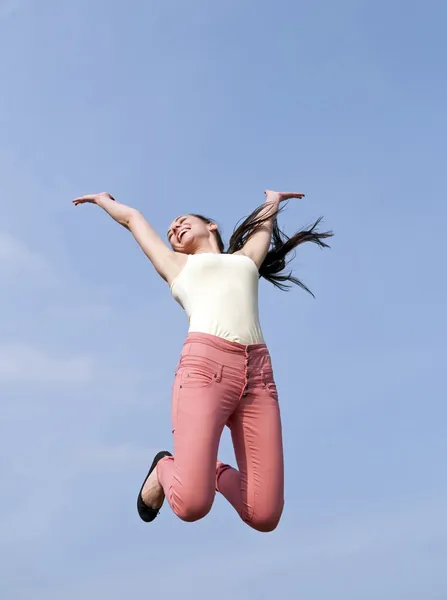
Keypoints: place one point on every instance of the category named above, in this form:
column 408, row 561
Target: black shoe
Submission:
column 146, row 513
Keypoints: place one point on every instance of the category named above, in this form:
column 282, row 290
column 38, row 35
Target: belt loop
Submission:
column 219, row 373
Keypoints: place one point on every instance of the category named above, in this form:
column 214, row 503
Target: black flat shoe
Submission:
column 146, row 513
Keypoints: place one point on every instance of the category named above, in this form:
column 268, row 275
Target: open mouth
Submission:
column 181, row 234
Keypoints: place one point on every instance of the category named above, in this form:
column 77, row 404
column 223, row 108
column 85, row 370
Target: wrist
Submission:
column 103, row 200
column 273, row 199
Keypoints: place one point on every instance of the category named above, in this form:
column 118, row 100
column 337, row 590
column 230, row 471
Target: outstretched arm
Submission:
column 167, row 263
column 258, row 244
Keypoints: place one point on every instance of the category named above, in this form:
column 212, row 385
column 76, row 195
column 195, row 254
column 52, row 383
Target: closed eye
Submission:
column 179, row 220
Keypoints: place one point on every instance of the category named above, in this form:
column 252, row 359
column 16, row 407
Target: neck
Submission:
column 207, row 247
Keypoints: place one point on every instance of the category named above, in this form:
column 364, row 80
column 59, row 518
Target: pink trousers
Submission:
column 219, row 383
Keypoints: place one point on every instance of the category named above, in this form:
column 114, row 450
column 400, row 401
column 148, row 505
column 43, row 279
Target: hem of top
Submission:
column 217, row 339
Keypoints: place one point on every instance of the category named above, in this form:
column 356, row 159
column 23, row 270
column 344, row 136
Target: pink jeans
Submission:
column 220, row 383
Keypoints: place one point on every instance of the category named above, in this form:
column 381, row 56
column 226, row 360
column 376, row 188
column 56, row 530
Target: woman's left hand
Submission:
column 281, row 196
column 92, row 198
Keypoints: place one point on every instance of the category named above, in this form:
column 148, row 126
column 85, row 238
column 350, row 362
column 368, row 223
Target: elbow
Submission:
column 132, row 217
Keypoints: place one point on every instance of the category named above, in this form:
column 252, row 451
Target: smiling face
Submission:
column 187, row 233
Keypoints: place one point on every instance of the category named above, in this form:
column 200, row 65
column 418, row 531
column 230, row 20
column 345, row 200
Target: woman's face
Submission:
column 185, row 233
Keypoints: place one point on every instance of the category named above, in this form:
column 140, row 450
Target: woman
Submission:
column 225, row 375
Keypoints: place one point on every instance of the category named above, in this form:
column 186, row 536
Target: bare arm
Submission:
column 258, row 244
column 167, row 263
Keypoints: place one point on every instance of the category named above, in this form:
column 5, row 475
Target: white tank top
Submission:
column 219, row 293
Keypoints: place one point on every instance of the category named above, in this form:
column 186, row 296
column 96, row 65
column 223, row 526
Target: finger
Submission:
column 289, row 195
column 87, row 197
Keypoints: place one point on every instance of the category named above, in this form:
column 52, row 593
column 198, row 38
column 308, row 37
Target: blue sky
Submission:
column 199, row 106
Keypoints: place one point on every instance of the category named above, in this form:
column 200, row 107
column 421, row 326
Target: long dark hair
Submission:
column 282, row 247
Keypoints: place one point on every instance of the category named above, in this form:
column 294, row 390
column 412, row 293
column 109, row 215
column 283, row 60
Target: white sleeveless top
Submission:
column 219, row 293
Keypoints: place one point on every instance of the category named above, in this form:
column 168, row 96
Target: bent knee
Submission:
column 193, row 511
column 266, row 522
column 264, row 525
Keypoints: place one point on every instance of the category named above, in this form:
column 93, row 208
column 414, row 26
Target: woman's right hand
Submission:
column 93, row 198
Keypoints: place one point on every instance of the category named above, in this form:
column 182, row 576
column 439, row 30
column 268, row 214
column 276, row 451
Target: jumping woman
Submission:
column 225, row 375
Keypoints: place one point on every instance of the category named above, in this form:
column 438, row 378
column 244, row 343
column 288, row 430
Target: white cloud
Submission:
column 8, row 7
column 375, row 532
column 117, row 455
column 263, row 557
column 15, row 254
column 82, row 310
column 27, row 364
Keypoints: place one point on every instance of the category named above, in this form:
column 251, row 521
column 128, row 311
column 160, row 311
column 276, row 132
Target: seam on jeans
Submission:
column 175, row 397
column 245, row 384
column 250, row 513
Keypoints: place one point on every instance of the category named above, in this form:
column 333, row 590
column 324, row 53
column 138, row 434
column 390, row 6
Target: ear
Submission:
column 213, row 227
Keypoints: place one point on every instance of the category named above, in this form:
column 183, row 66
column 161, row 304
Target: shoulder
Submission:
column 241, row 253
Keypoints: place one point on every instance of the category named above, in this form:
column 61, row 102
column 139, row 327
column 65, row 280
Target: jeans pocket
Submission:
column 199, row 372
column 268, row 382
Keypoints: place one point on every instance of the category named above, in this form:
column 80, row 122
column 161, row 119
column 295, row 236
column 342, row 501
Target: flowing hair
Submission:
column 282, row 248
